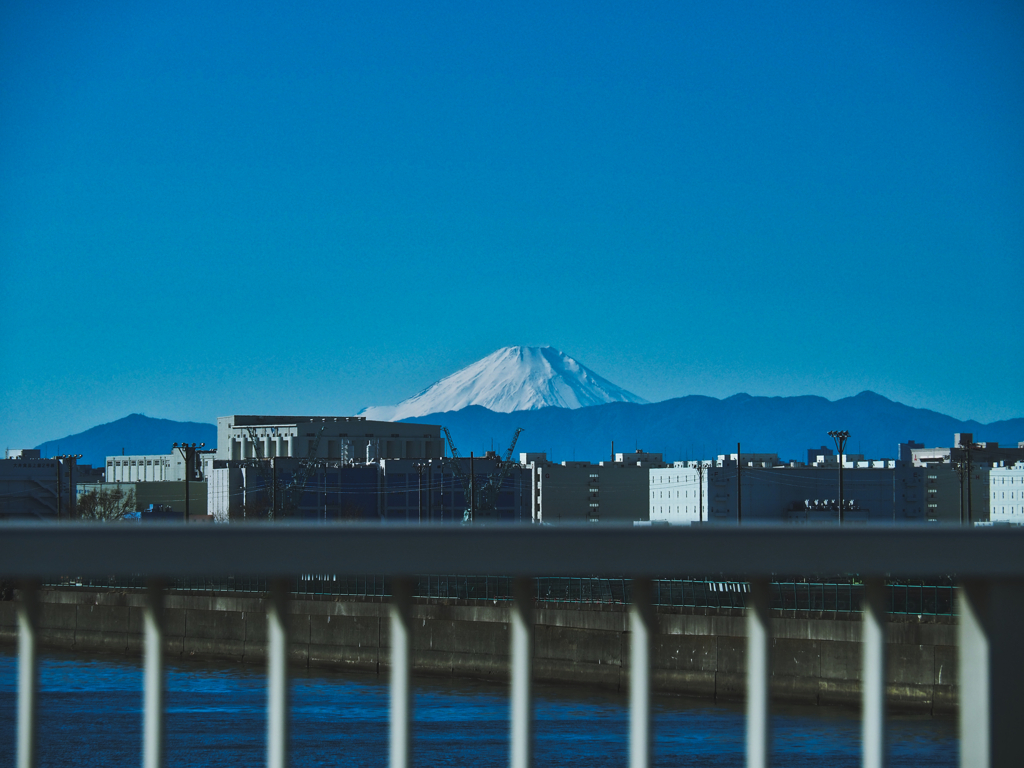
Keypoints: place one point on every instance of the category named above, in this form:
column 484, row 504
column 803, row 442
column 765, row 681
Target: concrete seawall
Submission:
column 815, row 660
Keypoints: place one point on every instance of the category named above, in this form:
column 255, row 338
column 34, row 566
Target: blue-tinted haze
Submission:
column 214, row 208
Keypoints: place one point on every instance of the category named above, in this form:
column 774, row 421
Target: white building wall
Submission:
column 1006, row 494
column 777, row 493
column 676, row 495
column 224, row 493
column 155, row 468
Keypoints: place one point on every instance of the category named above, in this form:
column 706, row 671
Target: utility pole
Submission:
column 701, row 468
column 420, row 465
column 739, row 487
column 960, row 467
column 472, row 489
column 840, row 437
column 970, row 471
column 188, row 453
column 60, row 487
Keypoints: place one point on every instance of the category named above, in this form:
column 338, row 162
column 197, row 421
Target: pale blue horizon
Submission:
column 225, row 208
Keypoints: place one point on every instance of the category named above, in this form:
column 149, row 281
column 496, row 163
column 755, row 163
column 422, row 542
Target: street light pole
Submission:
column 970, row 471
column 840, row 437
column 188, row 453
column 960, row 467
column 739, row 487
column 700, row 468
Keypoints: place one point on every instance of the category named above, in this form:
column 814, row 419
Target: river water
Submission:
column 90, row 715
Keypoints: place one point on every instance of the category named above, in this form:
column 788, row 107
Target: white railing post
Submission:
column 758, row 663
column 641, row 619
column 401, row 693
column 28, row 673
column 874, row 610
column 153, row 710
column 521, row 626
column 991, row 673
column 277, row 675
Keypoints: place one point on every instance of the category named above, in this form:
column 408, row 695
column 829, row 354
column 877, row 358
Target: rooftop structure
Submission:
column 344, row 438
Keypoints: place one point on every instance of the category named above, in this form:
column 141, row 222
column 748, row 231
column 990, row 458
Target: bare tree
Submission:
column 105, row 505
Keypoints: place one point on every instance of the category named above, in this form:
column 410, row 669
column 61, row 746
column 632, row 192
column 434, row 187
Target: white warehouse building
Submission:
column 1006, row 486
column 777, row 492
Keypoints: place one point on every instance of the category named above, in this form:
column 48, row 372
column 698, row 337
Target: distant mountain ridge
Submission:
column 134, row 434
column 687, row 427
column 697, row 426
column 511, row 379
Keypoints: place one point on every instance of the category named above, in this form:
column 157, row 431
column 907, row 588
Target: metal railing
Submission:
column 988, row 563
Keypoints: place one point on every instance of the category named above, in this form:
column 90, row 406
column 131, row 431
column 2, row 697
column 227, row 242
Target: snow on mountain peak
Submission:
column 510, row 379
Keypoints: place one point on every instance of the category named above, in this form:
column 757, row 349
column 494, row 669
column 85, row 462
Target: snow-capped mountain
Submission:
column 511, row 379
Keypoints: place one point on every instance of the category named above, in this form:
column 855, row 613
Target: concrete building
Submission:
column 389, row 490
column 35, row 488
column 334, row 491
column 774, row 491
column 1006, row 494
column 950, row 498
column 438, row 496
column 157, row 467
column 581, row 492
column 349, row 439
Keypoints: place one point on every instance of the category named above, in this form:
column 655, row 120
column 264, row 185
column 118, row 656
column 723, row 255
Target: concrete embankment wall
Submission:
column 814, row 659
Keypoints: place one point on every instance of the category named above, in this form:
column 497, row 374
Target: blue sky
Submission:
column 213, row 208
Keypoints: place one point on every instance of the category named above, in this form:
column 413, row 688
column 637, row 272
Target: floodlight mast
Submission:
column 188, row 453
column 840, row 437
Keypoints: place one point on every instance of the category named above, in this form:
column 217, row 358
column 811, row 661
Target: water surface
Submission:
column 91, row 715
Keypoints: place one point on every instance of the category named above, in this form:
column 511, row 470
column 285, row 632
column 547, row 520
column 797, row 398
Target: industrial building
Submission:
column 157, row 467
column 1006, row 499
column 770, row 490
column 389, row 490
column 332, row 491
column 342, row 438
column 957, row 478
column 37, row 488
column 430, row 491
column 581, row 492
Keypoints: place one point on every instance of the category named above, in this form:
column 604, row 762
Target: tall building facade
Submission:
column 341, row 438
column 581, row 492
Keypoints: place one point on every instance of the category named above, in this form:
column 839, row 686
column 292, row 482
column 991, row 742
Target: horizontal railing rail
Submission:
column 820, row 597
column 988, row 564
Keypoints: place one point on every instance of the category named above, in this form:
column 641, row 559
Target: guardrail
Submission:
column 820, row 597
column 988, row 563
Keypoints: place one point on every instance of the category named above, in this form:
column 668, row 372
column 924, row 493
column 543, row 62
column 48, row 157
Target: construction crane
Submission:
column 488, row 498
column 454, row 465
column 484, row 498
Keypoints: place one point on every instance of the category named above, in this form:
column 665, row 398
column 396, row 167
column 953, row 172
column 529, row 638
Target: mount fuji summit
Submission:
column 511, row 379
